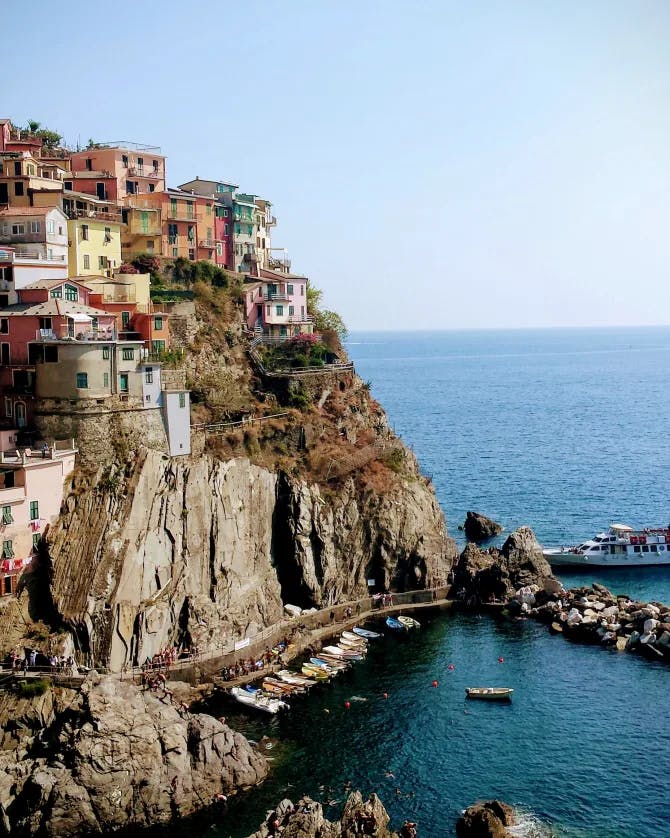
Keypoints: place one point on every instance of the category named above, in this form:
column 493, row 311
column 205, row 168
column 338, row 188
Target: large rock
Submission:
column 479, row 528
column 498, row 574
column 488, row 819
column 114, row 756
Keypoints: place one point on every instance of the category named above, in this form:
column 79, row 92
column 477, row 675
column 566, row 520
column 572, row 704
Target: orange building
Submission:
column 113, row 170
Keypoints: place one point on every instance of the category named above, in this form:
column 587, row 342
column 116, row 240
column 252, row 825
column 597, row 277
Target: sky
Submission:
column 432, row 164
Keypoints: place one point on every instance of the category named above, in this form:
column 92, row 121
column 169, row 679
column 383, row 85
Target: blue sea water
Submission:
column 564, row 430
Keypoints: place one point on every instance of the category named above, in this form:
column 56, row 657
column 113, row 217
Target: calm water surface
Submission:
column 555, row 429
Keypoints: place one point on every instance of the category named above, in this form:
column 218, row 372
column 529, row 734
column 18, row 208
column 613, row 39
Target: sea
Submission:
column 565, row 430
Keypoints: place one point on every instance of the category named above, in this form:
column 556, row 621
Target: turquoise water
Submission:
column 553, row 429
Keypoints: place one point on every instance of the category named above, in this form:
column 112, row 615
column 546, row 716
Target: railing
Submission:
column 180, row 214
column 12, row 494
column 99, row 215
column 210, row 245
column 81, row 335
column 36, row 255
column 137, row 171
column 276, row 295
column 244, row 422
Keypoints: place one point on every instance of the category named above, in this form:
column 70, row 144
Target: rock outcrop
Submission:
column 498, row 573
column 199, row 551
column 306, row 819
column 488, row 819
column 479, row 528
column 113, row 756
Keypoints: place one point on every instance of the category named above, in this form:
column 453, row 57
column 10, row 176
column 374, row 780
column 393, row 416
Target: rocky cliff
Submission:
column 111, row 756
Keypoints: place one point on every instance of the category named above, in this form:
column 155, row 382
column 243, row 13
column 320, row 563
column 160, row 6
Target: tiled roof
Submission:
column 10, row 212
column 54, row 307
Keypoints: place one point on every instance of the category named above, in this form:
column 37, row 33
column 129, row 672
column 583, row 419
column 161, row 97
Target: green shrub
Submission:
column 29, row 689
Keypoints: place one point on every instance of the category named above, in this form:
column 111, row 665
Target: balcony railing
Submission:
column 99, row 215
column 210, row 245
column 35, row 255
column 83, row 334
column 140, row 171
column 276, row 295
column 180, row 214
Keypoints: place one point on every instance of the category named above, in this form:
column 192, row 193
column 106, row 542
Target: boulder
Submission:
column 479, row 528
column 489, row 819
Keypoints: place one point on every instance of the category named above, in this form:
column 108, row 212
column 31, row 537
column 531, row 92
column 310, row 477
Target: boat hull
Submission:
column 567, row 558
column 489, row 693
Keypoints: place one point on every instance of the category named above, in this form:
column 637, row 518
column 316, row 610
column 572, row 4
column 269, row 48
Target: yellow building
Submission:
column 142, row 229
column 94, row 245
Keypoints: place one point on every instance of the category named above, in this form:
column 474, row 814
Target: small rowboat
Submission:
column 289, row 677
column 331, row 660
column 354, row 645
column 330, row 667
column 361, row 632
column 345, row 654
column 394, row 624
column 490, row 693
column 354, row 638
column 409, row 622
column 314, row 672
column 258, row 701
column 275, row 685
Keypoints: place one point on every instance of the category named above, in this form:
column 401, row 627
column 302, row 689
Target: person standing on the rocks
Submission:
column 33, row 658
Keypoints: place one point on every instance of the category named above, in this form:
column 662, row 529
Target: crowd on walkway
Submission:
column 25, row 660
column 251, row 665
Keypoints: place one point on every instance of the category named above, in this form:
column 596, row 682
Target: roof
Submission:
column 56, row 308
column 214, row 182
column 10, row 212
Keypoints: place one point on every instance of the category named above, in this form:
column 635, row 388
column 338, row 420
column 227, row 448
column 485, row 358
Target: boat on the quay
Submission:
column 362, row 632
column 620, row 546
column 489, row 693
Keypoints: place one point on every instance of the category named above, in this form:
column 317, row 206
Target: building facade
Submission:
column 276, row 306
column 35, row 233
column 113, row 171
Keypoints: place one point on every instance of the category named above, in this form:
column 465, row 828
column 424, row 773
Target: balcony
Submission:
column 98, row 215
column 180, row 214
column 281, row 263
column 280, row 296
column 207, row 244
column 141, row 171
column 82, row 333
column 37, row 256
column 13, row 495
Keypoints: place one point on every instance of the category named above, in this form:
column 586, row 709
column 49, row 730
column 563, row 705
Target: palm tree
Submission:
column 33, row 126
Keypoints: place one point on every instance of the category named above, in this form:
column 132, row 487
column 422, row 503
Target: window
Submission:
column 140, row 162
column 105, row 353
column 87, row 262
column 36, row 541
column 17, row 168
column 149, row 375
column 105, row 379
column 34, row 226
column 226, row 229
column 18, row 229
column 157, row 347
column 302, row 311
column 220, row 187
column 34, row 510
column 291, row 311
column 130, row 187
column 9, row 408
column 302, row 290
column 289, row 289
column 191, row 254
column 225, row 213
column 51, row 227
column 7, row 517
column 103, row 262
column 7, row 550
column 124, row 161
column 89, row 164
column 123, row 382
column 128, row 354
column 18, row 188
column 155, row 165
column 173, row 207
column 67, row 185
column 150, row 244
column 189, row 209
column 84, row 232
column 250, row 230
column 175, row 252
column 209, row 209
column 108, row 234
column 82, row 381
column 152, row 187
column 4, row 326
column 279, row 310
column 57, row 293
column 158, row 323
column 45, row 324
column 71, row 293
column 636, row 549
column 182, row 400
column 219, row 249
column 238, row 228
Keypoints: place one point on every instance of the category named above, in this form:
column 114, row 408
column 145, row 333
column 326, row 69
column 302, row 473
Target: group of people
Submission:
column 382, row 600
column 22, row 661
column 164, row 658
column 247, row 667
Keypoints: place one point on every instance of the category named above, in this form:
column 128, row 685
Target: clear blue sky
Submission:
column 433, row 164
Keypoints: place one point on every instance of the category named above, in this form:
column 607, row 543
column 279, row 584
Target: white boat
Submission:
column 489, row 693
column 354, row 638
column 620, row 546
column 346, row 654
column 409, row 622
column 361, row 632
column 258, row 701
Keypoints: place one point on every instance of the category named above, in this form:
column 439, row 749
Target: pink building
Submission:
column 31, row 492
column 276, row 305
column 115, row 170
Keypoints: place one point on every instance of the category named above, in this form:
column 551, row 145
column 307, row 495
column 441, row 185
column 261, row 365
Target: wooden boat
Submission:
column 490, row 693
column 314, row 672
column 332, row 660
column 294, row 678
column 394, row 624
column 276, row 685
column 409, row 622
column 354, row 638
column 343, row 643
column 257, row 701
column 346, row 654
column 361, row 632
column 330, row 664
column 273, row 689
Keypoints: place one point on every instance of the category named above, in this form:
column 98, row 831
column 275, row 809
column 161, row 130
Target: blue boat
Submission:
column 361, row 632
column 394, row 624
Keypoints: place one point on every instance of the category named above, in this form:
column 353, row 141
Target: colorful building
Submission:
column 95, row 245
column 142, row 229
column 112, row 171
column 276, row 305
column 36, row 233
column 181, row 234
column 265, row 221
column 26, row 180
column 31, row 493
column 19, row 270
column 221, row 193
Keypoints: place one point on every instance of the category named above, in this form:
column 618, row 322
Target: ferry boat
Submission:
column 620, row 546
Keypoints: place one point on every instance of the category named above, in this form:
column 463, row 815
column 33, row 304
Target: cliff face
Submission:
column 200, row 551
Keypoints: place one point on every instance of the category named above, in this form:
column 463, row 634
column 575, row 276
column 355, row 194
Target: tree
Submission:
column 324, row 319
column 50, row 139
column 33, row 127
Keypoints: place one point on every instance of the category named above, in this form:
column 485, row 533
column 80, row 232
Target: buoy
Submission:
column 386, row 695
column 451, row 667
column 434, row 683
column 501, row 659
column 347, row 704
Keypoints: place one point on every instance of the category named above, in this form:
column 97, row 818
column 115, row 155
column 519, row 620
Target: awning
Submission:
column 80, row 318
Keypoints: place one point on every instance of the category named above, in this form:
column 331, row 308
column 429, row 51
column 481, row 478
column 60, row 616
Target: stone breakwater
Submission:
column 113, row 757
column 305, row 819
column 595, row 615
